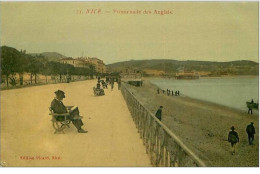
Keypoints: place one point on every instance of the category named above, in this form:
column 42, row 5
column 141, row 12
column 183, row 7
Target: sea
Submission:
column 228, row 91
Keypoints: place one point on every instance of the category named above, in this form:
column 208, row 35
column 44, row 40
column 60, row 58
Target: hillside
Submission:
column 51, row 56
column 241, row 67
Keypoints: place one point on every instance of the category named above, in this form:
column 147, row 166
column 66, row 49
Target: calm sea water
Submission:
column 228, row 91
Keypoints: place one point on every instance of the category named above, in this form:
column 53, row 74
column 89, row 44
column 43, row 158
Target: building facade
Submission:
column 85, row 62
column 99, row 64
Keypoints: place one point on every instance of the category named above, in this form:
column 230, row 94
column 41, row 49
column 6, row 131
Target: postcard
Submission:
column 129, row 84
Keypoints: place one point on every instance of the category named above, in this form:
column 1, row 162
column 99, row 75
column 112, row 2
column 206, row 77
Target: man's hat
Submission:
column 60, row 92
column 232, row 128
column 252, row 122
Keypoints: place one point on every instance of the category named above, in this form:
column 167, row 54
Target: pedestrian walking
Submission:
column 112, row 84
column 233, row 139
column 159, row 113
column 250, row 107
column 119, row 83
column 250, row 130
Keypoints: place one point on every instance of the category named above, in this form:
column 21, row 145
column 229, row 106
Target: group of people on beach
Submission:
column 169, row 92
column 233, row 137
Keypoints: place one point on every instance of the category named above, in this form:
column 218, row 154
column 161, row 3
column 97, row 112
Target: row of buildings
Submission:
column 85, row 62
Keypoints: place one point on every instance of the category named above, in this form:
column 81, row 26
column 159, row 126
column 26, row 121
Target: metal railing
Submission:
column 162, row 145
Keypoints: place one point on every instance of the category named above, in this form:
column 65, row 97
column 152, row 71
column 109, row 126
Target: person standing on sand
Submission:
column 250, row 130
column 158, row 91
column 250, row 108
column 159, row 113
column 172, row 93
column 233, row 139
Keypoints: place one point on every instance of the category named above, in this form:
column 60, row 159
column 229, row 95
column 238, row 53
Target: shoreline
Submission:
column 227, row 76
column 219, row 98
column 203, row 126
column 207, row 102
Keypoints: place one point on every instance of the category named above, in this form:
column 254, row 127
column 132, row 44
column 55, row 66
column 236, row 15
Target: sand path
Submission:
column 27, row 137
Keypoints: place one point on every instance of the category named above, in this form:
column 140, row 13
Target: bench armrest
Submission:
column 69, row 107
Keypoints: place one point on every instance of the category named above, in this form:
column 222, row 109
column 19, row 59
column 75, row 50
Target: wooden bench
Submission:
column 60, row 121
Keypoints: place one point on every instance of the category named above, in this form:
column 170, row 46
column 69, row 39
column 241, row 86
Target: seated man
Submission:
column 58, row 107
column 98, row 85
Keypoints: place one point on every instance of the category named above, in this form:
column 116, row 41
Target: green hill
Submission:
column 51, row 56
column 240, row 67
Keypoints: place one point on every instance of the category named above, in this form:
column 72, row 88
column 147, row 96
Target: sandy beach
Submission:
column 204, row 126
column 28, row 139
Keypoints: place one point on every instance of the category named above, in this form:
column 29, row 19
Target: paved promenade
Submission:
column 28, row 139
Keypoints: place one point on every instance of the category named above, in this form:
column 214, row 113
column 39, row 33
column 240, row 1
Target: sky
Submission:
column 209, row 31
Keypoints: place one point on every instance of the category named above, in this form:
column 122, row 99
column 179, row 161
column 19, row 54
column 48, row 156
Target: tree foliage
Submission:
column 14, row 61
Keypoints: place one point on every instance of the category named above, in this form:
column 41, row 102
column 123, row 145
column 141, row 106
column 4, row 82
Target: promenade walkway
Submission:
column 27, row 137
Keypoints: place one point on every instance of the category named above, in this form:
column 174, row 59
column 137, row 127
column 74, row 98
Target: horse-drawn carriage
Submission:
column 98, row 91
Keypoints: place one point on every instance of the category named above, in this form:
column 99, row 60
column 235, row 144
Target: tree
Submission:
column 44, row 61
column 33, row 67
column 10, row 61
column 22, row 66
